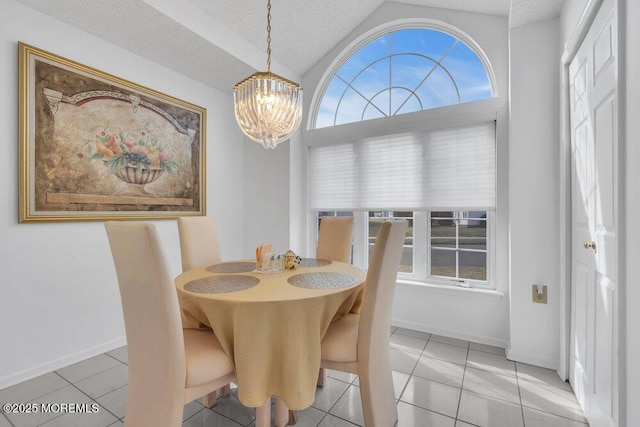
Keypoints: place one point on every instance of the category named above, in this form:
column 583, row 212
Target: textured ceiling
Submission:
column 295, row 23
column 140, row 28
column 219, row 42
column 527, row 11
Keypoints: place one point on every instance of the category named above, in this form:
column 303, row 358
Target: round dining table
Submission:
column 271, row 324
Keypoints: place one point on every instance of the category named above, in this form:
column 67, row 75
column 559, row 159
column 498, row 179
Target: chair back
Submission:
column 155, row 341
column 375, row 312
column 334, row 238
column 198, row 241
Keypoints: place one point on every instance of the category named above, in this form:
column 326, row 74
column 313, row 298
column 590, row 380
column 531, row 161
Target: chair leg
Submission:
column 263, row 414
column 282, row 413
column 322, row 377
column 224, row 390
column 208, row 400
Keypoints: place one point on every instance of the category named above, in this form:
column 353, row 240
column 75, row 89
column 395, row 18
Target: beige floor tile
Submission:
column 541, row 376
column 190, row 409
column 534, row 418
column 552, row 400
column 491, row 384
column 487, row 348
column 413, row 416
column 402, row 361
column 328, row 395
column 342, row 376
column 406, row 343
column 116, row 401
column 491, row 362
column 331, row 421
column 411, row 333
column 349, row 406
column 450, row 341
column 431, row 395
column 440, row 371
column 34, row 388
column 120, row 353
column 88, row 368
column 309, row 417
column 446, row 352
column 230, row 407
column 207, row 417
column 486, row 411
column 400, row 380
column 105, row 382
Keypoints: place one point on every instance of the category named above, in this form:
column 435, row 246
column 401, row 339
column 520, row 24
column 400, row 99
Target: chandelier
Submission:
column 268, row 107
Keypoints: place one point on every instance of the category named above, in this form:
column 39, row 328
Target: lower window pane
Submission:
column 375, row 222
column 443, row 263
column 473, row 265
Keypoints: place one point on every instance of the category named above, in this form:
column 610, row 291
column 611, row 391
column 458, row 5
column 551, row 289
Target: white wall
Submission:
column 533, row 192
column 266, row 197
column 59, row 301
column 415, row 306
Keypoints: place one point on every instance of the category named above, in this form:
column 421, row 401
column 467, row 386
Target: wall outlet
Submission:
column 539, row 297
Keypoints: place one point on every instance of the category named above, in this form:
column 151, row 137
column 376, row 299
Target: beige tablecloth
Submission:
column 273, row 330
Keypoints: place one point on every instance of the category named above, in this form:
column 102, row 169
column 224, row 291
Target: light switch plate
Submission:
column 540, row 298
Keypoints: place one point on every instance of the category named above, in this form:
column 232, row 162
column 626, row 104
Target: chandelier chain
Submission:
column 268, row 35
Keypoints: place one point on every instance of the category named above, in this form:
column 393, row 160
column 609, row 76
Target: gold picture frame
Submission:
column 94, row 147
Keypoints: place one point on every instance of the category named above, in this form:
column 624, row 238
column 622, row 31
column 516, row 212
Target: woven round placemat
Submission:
column 221, row 284
column 232, row 267
column 314, row 262
column 321, row 280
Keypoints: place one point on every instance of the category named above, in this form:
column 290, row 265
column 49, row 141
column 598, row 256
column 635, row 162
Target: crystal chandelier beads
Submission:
column 268, row 107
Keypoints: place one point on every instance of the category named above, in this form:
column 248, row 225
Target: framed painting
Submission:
column 97, row 147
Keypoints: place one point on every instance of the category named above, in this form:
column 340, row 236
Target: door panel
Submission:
column 603, row 358
column 604, row 122
column 594, row 187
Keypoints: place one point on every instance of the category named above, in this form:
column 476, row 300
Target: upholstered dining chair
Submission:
column 198, row 241
column 359, row 343
column 334, row 243
column 168, row 366
column 199, row 246
column 334, row 238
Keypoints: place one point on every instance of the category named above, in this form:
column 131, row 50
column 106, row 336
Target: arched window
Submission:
column 403, row 71
column 435, row 169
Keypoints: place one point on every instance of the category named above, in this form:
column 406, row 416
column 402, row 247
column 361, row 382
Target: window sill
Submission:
column 475, row 293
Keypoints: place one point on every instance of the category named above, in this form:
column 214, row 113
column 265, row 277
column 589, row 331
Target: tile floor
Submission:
column 438, row 381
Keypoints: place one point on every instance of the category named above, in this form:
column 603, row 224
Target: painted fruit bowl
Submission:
column 136, row 174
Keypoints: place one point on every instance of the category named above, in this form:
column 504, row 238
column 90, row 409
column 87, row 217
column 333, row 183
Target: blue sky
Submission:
column 399, row 73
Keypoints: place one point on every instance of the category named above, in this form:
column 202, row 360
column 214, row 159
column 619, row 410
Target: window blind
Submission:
column 436, row 170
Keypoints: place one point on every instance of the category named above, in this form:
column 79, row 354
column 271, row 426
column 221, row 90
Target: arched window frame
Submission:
column 466, row 113
column 373, row 34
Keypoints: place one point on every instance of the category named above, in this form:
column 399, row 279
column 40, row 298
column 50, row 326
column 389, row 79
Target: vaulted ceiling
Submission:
column 219, row 42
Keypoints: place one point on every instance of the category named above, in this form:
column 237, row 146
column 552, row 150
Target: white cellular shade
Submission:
column 436, row 170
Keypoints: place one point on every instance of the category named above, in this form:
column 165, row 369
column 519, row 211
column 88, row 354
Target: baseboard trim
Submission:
column 62, row 362
column 480, row 339
column 528, row 358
